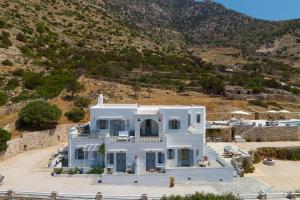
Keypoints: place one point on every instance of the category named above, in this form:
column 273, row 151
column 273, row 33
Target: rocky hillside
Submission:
column 47, row 44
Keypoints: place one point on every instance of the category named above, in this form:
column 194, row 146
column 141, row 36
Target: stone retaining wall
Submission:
column 36, row 140
column 270, row 134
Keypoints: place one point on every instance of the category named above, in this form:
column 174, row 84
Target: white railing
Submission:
column 98, row 196
column 133, row 139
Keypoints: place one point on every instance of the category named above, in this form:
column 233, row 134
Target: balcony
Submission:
column 133, row 139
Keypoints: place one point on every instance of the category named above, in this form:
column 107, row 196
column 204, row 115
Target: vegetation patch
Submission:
column 202, row 196
column 75, row 115
column 285, row 153
column 4, row 137
column 39, row 114
column 3, row 98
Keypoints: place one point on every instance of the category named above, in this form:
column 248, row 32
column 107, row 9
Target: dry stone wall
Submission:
column 36, row 140
column 270, row 134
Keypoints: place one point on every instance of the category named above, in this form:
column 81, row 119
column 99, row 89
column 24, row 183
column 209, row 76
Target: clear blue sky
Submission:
column 265, row 9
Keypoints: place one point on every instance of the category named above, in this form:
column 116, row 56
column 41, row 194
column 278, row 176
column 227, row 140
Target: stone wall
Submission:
column 270, row 134
column 224, row 133
column 36, row 140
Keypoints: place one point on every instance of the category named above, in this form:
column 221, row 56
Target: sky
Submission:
column 265, row 9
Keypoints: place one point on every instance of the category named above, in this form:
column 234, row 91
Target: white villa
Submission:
column 142, row 141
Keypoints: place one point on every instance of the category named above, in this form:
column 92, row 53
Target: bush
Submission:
column 257, row 158
column 4, row 137
column 82, row 102
column 202, row 196
column 32, row 80
column 24, row 95
column 4, row 40
column 21, row 37
column 12, row 84
column 248, row 168
column 7, row 62
column 97, row 170
column 58, row 170
column 73, row 171
column 3, row 98
column 39, row 114
column 75, row 115
column 18, row 72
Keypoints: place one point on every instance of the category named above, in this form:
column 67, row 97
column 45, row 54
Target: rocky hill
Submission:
column 47, row 44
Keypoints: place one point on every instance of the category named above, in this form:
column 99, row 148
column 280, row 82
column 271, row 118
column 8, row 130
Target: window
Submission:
column 110, row 158
column 171, row 154
column 160, row 158
column 198, row 118
column 174, row 124
column 102, row 124
column 189, row 119
column 79, row 153
column 94, row 155
column 116, row 126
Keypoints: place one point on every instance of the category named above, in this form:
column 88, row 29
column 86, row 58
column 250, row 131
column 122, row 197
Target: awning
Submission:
column 91, row 147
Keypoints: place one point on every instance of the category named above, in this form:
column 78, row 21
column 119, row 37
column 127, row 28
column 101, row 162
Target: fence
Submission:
column 10, row 194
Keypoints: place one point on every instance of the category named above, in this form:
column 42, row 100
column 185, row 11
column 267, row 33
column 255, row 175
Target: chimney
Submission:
column 100, row 100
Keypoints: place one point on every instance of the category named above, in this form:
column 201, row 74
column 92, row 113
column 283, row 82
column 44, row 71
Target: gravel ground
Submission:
column 28, row 172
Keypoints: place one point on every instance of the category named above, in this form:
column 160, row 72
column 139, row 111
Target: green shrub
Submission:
column 58, row 170
column 7, row 62
column 73, row 171
column 202, row 196
column 248, row 168
column 75, row 115
column 18, row 72
column 4, row 40
column 4, row 137
column 39, row 114
column 3, row 98
column 12, row 84
column 24, row 95
column 2, row 24
column 32, row 80
column 21, row 37
column 97, row 170
column 257, row 158
column 82, row 102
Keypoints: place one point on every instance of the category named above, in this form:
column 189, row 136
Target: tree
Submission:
column 136, row 88
column 74, row 87
column 82, row 102
column 4, row 137
column 75, row 115
column 3, row 98
column 39, row 114
column 31, row 80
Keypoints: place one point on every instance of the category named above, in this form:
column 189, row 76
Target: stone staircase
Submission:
column 239, row 139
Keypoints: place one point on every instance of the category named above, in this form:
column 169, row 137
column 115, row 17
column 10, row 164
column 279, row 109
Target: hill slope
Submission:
column 144, row 41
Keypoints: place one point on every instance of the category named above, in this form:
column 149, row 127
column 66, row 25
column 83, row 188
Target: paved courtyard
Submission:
column 28, row 171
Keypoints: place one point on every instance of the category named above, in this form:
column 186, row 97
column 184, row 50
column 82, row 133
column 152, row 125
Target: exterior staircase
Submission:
column 241, row 137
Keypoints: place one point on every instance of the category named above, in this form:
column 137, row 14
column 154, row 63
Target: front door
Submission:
column 150, row 161
column 121, row 162
column 186, row 157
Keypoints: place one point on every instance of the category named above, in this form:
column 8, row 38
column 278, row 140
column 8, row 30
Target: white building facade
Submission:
column 141, row 140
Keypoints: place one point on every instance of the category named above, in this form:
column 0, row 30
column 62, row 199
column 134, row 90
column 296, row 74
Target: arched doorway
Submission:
column 149, row 127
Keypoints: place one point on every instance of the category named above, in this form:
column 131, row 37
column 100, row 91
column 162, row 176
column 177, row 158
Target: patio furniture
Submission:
column 109, row 170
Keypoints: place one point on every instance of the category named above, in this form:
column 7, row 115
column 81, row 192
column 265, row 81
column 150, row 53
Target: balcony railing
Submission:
column 133, row 139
